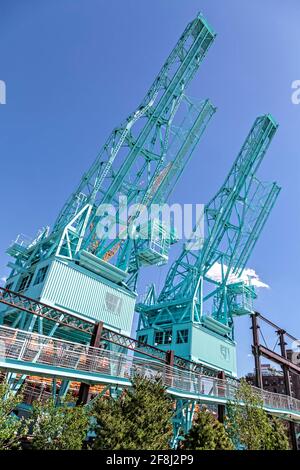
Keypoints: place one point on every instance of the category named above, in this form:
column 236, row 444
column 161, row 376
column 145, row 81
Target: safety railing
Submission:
column 59, row 354
column 69, row 322
column 30, row 394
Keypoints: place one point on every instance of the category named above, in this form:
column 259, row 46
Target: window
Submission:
column 182, row 336
column 113, row 303
column 24, row 282
column 159, row 338
column 163, row 337
column 142, row 339
column 41, row 275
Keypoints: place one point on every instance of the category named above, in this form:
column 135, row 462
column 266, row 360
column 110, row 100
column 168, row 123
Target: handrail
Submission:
column 86, row 325
column 60, row 354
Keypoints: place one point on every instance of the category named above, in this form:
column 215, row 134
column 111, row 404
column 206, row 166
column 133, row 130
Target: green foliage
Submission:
column 249, row 426
column 278, row 439
column 58, row 427
column 207, row 433
column 12, row 429
column 140, row 419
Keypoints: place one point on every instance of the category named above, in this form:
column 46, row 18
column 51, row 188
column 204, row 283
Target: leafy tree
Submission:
column 140, row 419
column 248, row 424
column 12, row 429
column 58, row 427
column 207, row 433
column 278, row 438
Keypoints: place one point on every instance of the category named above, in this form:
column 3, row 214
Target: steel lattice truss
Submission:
column 141, row 160
column 234, row 219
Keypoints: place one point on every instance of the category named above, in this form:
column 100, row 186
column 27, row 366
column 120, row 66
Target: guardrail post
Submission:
column 23, row 349
column 95, row 343
column 170, row 358
column 170, row 363
column 221, row 392
column 287, row 384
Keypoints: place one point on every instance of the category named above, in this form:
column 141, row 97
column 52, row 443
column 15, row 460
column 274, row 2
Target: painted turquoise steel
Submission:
column 234, row 219
column 230, row 201
column 94, row 279
column 142, row 160
column 81, row 292
column 203, row 347
column 69, row 288
column 139, row 161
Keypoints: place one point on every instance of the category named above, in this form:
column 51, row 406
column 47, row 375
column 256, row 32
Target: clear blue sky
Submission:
column 75, row 68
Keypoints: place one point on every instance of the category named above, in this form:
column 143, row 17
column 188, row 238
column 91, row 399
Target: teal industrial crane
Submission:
column 85, row 283
column 70, row 266
column 193, row 314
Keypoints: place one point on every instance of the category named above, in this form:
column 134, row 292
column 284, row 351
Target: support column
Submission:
column 170, row 362
column 221, row 393
column 95, row 342
column 170, row 358
column 287, row 384
column 96, row 336
column 255, row 350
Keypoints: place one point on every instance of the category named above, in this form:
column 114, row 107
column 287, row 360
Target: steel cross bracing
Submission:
column 231, row 200
column 282, row 352
column 157, row 107
column 142, row 158
column 272, row 352
column 29, row 314
column 183, row 139
column 234, row 219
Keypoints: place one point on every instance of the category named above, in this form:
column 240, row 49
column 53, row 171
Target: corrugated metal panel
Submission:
column 71, row 288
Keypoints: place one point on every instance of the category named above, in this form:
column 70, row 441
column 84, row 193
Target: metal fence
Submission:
column 59, row 354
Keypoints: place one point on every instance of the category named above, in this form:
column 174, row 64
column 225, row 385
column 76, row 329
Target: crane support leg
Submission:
column 95, row 342
column 255, row 351
column 221, row 408
column 287, row 384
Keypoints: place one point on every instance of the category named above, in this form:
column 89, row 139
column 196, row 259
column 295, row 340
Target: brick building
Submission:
column 295, row 378
column 272, row 378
